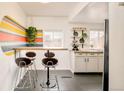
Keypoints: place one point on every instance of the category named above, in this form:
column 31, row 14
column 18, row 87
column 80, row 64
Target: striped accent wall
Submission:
column 39, row 39
column 12, row 35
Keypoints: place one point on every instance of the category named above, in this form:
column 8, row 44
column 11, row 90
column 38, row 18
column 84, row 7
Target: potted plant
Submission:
column 31, row 35
column 83, row 37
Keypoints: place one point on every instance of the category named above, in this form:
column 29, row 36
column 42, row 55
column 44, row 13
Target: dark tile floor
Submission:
column 66, row 81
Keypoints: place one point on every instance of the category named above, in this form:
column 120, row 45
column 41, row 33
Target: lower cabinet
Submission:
column 101, row 63
column 92, row 64
column 88, row 63
column 80, row 64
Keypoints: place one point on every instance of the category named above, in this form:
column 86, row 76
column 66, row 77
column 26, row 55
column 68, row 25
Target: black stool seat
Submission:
column 49, row 54
column 30, row 54
column 22, row 62
column 50, row 61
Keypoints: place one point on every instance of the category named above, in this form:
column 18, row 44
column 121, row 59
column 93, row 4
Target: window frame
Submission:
column 98, row 47
column 53, row 31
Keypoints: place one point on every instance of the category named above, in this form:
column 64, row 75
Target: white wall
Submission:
column 62, row 24
column 116, row 62
column 52, row 23
column 7, row 65
column 13, row 10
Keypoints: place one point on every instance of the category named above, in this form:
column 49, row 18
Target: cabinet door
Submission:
column 80, row 64
column 92, row 64
column 101, row 63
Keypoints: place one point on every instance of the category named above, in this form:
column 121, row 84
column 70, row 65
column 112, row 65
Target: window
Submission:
column 53, row 39
column 96, row 39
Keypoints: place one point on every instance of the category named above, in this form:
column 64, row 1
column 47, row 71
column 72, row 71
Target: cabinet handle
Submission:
column 85, row 60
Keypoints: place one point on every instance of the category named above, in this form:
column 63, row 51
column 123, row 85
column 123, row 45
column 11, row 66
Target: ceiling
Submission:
column 47, row 9
column 77, row 12
column 93, row 13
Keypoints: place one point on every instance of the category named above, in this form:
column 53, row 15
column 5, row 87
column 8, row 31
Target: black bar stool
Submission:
column 24, row 79
column 31, row 56
column 49, row 62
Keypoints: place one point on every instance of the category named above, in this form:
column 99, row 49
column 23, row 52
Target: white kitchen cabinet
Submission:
column 80, row 64
column 88, row 62
column 92, row 64
column 101, row 63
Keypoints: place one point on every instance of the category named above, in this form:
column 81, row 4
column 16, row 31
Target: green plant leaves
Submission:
column 31, row 35
column 82, row 39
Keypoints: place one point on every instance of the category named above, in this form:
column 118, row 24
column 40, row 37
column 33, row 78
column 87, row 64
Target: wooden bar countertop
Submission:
column 38, row 48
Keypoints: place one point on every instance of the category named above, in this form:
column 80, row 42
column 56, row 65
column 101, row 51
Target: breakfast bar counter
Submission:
column 38, row 48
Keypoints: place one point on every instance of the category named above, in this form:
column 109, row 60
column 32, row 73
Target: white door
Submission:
column 80, row 64
column 92, row 64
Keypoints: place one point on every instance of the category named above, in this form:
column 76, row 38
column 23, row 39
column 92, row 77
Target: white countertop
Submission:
column 89, row 50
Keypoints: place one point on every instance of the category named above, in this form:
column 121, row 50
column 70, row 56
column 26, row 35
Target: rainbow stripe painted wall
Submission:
column 12, row 35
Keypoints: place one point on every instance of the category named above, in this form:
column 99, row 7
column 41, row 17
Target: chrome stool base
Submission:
column 24, row 78
column 49, row 62
column 52, row 84
column 31, row 56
